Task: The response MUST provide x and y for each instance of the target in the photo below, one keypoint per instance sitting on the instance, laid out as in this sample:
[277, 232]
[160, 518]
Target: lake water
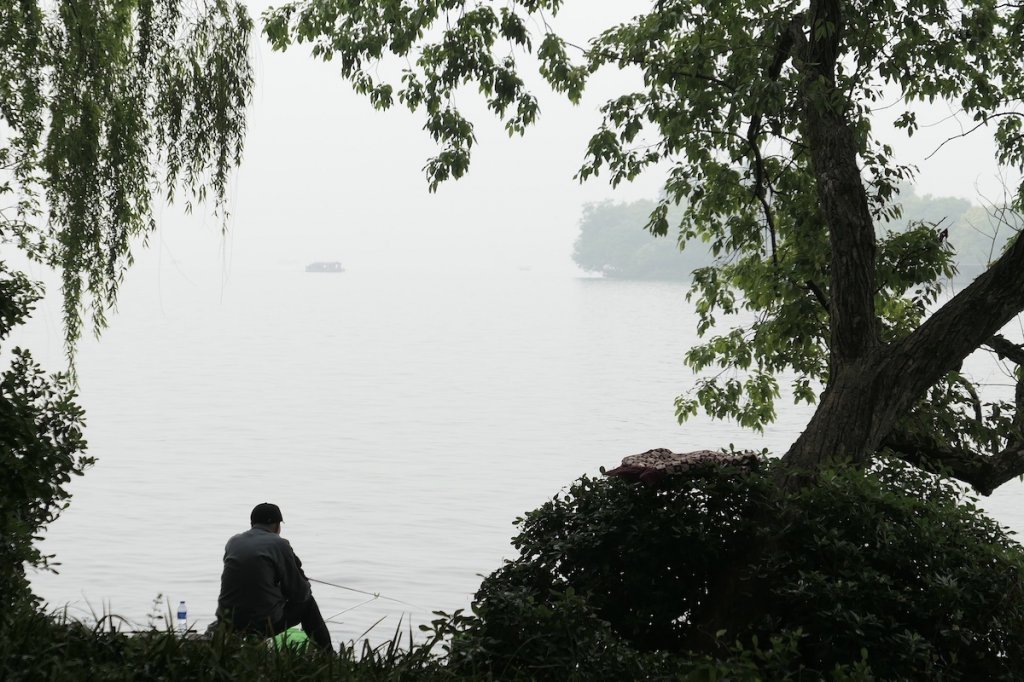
[401, 424]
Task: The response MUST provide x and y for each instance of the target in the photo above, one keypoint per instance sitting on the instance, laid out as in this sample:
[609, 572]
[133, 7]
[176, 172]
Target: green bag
[293, 638]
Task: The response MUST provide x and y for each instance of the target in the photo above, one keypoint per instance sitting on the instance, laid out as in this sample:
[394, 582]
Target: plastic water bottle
[182, 617]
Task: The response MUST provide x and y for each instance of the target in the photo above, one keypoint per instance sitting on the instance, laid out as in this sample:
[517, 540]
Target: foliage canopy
[762, 114]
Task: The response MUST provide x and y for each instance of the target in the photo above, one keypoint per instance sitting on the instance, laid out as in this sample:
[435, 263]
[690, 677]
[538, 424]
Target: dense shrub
[41, 446]
[894, 570]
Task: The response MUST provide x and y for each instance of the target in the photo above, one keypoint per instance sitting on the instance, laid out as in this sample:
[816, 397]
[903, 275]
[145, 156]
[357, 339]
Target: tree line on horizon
[613, 243]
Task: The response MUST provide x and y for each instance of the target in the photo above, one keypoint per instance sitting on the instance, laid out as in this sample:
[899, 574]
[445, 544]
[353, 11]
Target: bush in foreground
[893, 571]
[34, 646]
[41, 445]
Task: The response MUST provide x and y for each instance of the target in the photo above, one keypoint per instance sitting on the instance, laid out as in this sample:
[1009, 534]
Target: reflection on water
[401, 424]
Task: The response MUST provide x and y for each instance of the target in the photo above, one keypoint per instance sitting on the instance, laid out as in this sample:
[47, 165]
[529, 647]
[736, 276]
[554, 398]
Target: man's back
[261, 573]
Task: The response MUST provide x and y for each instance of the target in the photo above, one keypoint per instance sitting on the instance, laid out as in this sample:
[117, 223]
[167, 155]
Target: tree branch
[981, 124]
[1006, 349]
[818, 293]
[979, 417]
[983, 473]
[783, 51]
[1018, 400]
[966, 322]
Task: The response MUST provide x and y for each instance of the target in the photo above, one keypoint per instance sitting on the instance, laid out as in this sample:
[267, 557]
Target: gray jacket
[261, 573]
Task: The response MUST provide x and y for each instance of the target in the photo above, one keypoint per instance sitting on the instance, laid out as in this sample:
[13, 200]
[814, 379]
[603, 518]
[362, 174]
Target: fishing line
[375, 595]
[351, 608]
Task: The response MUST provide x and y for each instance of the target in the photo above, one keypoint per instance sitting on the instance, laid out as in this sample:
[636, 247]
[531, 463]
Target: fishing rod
[375, 595]
[351, 608]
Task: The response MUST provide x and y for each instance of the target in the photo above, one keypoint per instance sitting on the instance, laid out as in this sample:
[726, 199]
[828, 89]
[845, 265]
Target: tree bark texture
[870, 385]
[866, 397]
[841, 194]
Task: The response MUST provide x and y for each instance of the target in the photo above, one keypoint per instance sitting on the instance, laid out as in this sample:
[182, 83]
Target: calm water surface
[401, 424]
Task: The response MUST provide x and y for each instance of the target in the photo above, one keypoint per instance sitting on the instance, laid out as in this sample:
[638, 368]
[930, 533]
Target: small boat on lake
[325, 266]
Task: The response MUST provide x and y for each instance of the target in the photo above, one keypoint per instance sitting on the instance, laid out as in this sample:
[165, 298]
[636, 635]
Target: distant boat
[325, 266]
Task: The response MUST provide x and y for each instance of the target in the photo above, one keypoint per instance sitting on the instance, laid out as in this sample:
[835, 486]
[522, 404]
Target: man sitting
[263, 590]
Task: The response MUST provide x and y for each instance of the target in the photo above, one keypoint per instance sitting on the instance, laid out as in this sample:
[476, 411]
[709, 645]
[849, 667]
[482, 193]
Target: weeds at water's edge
[37, 646]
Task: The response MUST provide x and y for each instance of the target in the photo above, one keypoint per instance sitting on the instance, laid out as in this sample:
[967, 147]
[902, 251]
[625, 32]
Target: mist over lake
[402, 422]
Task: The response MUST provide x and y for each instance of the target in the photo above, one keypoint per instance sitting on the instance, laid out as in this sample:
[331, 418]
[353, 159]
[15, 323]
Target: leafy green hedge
[893, 571]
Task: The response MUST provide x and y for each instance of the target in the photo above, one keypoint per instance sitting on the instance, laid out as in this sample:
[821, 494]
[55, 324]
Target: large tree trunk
[866, 396]
[844, 425]
[870, 384]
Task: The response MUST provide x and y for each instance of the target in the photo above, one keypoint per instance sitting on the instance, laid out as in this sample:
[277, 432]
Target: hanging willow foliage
[106, 105]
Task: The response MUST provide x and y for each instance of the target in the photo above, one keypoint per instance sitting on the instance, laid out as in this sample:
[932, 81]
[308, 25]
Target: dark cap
[266, 513]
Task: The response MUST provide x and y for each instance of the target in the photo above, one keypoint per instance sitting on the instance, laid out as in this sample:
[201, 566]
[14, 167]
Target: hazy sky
[325, 177]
